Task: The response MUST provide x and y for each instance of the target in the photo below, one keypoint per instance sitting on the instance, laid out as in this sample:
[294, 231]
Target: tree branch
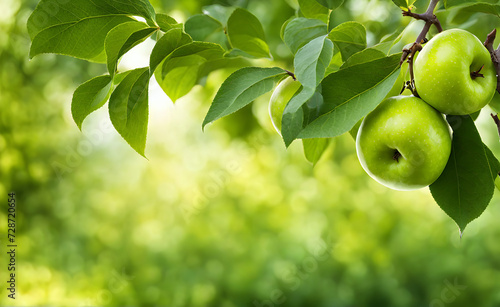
[495, 54]
[429, 18]
[409, 53]
[291, 74]
[497, 122]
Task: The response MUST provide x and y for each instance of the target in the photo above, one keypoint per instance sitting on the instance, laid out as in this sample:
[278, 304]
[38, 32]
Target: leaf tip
[205, 123]
[461, 230]
[288, 140]
[31, 54]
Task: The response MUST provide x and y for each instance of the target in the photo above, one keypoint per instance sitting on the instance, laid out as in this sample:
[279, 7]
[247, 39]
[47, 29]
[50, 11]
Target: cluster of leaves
[342, 79]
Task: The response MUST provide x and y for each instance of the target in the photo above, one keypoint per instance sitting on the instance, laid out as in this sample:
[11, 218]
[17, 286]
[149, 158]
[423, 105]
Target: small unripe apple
[285, 90]
[454, 73]
[404, 143]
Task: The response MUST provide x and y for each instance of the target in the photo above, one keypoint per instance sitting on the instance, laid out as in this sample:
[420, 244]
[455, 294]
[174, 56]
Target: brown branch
[291, 74]
[497, 122]
[411, 56]
[409, 53]
[495, 54]
[429, 18]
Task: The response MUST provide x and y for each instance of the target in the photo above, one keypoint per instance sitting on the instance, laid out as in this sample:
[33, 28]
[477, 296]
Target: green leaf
[167, 23]
[475, 115]
[331, 4]
[301, 31]
[335, 63]
[312, 108]
[314, 149]
[363, 56]
[89, 97]
[466, 185]
[311, 61]
[404, 4]
[222, 63]
[206, 28]
[387, 43]
[123, 38]
[50, 13]
[241, 88]
[487, 8]
[169, 42]
[493, 163]
[349, 37]
[219, 12]
[292, 123]
[350, 94]
[119, 77]
[78, 28]
[452, 3]
[401, 3]
[246, 34]
[310, 64]
[181, 77]
[180, 70]
[128, 108]
[82, 40]
[312, 9]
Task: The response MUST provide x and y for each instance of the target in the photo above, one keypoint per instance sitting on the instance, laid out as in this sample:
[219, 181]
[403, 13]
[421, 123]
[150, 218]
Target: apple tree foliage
[344, 77]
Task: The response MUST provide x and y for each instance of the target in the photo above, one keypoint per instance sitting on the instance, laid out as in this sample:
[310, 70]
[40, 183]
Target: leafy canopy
[343, 75]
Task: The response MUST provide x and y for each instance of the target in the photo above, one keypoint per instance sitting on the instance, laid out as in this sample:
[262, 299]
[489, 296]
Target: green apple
[279, 99]
[497, 182]
[404, 143]
[443, 73]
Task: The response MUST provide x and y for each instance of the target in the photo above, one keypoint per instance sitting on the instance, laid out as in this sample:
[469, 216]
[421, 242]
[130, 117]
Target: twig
[497, 122]
[495, 54]
[409, 53]
[291, 74]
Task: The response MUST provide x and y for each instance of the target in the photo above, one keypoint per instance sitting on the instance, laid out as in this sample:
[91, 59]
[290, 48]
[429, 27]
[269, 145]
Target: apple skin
[442, 73]
[279, 99]
[408, 125]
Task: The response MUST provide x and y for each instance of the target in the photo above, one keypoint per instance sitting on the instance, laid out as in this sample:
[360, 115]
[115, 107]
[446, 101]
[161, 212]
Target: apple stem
[495, 54]
[477, 74]
[409, 53]
[497, 122]
[397, 155]
[291, 74]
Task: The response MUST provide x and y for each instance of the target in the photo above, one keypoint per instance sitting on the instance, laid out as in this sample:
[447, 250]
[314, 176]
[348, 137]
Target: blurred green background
[224, 218]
